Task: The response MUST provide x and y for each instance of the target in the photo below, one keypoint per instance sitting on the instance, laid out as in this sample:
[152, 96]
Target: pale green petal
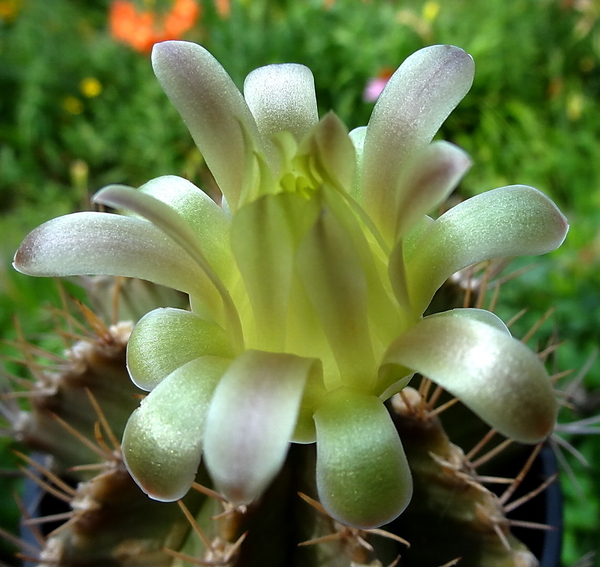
[213, 292]
[435, 174]
[417, 99]
[208, 220]
[282, 97]
[331, 272]
[495, 375]
[212, 108]
[251, 421]
[168, 338]
[264, 237]
[162, 441]
[363, 478]
[509, 221]
[107, 244]
[382, 310]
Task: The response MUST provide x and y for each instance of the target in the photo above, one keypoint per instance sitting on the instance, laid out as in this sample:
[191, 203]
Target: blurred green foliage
[79, 110]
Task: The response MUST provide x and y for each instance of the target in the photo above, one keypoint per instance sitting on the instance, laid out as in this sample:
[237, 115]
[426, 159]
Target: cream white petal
[509, 221]
[282, 97]
[207, 219]
[213, 291]
[417, 99]
[251, 421]
[492, 373]
[162, 441]
[363, 477]
[167, 338]
[107, 244]
[212, 108]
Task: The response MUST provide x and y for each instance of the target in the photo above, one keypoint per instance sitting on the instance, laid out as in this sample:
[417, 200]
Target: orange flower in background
[143, 28]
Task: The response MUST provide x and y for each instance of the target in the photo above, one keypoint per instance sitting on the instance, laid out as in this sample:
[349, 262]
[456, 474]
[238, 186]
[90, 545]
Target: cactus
[112, 522]
[265, 425]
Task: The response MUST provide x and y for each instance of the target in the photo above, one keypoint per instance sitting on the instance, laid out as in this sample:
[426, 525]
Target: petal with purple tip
[495, 375]
[212, 108]
[417, 99]
[107, 244]
[510, 221]
[251, 421]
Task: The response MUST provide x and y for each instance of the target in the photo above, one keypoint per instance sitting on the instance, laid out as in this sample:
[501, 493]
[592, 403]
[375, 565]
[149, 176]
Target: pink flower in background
[376, 84]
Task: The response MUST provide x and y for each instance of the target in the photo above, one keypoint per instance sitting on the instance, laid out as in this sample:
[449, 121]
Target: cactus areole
[308, 283]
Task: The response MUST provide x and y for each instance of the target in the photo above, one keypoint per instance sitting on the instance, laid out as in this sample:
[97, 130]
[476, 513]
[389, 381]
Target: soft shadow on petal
[363, 478]
[212, 108]
[162, 441]
[435, 174]
[282, 97]
[510, 221]
[251, 421]
[167, 338]
[332, 150]
[417, 99]
[330, 270]
[495, 375]
[264, 237]
[106, 244]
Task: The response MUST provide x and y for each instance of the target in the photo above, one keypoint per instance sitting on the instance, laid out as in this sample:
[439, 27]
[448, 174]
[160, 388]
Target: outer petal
[213, 291]
[165, 339]
[282, 97]
[212, 108]
[509, 221]
[363, 476]
[205, 217]
[496, 376]
[162, 441]
[107, 244]
[251, 421]
[415, 102]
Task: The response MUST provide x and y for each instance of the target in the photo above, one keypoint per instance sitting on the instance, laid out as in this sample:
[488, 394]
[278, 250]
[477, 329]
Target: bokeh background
[80, 108]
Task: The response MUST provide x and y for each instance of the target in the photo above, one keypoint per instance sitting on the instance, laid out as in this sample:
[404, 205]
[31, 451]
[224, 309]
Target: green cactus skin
[451, 514]
[92, 368]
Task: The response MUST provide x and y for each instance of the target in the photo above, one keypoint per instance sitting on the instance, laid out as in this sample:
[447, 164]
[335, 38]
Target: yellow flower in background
[430, 10]
[9, 9]
[575, 103]
[90, 87]
[72, 105]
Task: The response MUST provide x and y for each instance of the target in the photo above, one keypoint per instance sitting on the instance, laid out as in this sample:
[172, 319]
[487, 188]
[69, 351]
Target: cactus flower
[307, 284]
